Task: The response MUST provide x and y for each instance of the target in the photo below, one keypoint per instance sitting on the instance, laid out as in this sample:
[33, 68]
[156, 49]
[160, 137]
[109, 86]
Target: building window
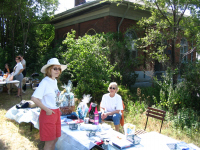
[65, 35]
[131, 37]
[183, 50]
[91, 32]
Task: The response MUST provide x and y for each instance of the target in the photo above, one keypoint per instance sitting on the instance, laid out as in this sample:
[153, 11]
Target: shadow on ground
[3, 145]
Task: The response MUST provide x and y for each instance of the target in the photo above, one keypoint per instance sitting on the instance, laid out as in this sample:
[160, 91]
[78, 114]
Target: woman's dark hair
[18, 57]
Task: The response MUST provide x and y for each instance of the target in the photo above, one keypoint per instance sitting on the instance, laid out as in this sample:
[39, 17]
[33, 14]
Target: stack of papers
[122, 143]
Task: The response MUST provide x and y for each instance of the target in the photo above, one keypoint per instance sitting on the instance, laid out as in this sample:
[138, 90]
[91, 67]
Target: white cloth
[23, 63]
[47, 92]
[24, 115]
[152, 141]
[17, 68]
[111, 103]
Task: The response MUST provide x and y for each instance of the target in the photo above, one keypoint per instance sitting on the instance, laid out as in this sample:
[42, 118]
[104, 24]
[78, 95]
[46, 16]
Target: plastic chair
[154, 113]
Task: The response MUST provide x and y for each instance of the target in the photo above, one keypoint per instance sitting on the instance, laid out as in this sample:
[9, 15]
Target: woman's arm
[39, 104]
[20, 71]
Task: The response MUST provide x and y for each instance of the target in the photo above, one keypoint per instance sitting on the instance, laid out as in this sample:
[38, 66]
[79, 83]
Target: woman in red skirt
[45, 97]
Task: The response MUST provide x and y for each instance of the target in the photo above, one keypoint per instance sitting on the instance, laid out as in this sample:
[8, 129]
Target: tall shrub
[88, 64]
[125, 61]
[191, 76]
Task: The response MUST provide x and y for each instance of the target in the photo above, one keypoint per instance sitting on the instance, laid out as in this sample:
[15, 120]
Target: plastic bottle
[96, 118]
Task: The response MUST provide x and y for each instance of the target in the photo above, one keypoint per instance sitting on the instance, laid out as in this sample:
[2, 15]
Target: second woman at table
[17, 74]
[111, 106]
[45, 97]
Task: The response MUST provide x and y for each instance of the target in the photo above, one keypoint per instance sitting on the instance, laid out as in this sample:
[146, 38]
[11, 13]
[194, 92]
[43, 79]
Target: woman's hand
[11, 78]
[50, 112]
[104, 115]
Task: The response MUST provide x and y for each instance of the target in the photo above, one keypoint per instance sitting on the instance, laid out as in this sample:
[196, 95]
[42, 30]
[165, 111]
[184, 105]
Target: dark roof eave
[77, 11]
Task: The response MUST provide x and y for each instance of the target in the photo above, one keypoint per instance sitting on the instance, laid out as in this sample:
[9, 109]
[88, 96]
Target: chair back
[155, 113]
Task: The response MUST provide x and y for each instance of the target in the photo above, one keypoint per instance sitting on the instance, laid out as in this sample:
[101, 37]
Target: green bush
[88, 65]
[191, 76]
[186, 119]
[122, 58]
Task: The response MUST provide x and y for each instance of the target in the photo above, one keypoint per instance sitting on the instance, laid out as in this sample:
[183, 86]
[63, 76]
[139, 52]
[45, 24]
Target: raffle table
[78, 140]
[13, 81]
[153, 141]
[9, 83]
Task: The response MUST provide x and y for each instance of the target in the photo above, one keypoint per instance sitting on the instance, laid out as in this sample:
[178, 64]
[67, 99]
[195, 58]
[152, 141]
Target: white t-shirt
[47, 92]
[17, 68]
[23, 63]
[111, 103]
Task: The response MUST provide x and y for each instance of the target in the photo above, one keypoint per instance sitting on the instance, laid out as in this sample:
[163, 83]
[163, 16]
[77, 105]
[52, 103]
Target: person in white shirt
[45, 97]
[23, 61]
[111, 106]
[17, 74]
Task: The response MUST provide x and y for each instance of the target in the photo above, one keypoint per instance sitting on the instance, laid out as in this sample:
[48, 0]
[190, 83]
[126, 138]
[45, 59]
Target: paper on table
[70, 121]
[121, 143]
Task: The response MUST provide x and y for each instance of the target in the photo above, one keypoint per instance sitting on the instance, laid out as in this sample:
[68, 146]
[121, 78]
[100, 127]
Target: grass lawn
[14, 136]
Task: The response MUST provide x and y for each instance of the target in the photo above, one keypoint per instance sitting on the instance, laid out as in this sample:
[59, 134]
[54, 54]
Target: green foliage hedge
[88, 65]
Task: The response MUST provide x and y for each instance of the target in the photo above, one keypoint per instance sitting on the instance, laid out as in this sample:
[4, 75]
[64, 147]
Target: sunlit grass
[14, 136]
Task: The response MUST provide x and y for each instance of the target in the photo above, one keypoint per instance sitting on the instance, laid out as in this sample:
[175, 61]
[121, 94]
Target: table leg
[31, 126]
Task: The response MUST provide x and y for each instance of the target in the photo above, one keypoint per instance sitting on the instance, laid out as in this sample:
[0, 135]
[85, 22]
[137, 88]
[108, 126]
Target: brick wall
[107, 24]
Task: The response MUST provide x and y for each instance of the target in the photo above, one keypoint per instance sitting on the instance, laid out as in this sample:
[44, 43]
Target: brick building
[95, 17]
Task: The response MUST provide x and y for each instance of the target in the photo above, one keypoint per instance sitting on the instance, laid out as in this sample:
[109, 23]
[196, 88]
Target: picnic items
[92, 113]
[82, 108]
[179, 146]
[65, 100]
[25, 104]
[90, 127]
[73, 126]
[129, 129]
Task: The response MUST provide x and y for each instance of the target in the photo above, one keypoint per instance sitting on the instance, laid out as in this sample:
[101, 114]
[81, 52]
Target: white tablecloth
[24, 115]
[13, 81]
[153, 141]
[73, 139]
[16, 82]
[77, 140]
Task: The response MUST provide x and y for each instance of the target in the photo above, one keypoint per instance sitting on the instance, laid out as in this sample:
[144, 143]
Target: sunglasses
[112, 88]
[57, 69]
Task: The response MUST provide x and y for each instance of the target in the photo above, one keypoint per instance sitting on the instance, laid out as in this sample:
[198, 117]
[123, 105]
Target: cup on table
[86, 120]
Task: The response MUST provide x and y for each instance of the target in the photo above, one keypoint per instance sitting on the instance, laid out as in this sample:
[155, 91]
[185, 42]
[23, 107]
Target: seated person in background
[1, 73]
[7, 69]
[111, 106]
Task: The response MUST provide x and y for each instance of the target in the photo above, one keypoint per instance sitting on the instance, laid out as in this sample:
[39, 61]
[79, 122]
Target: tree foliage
[167, 24]
[23, 30]
[88, 64]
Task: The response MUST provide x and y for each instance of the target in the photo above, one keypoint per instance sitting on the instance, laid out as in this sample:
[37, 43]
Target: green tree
[166, 25]
[88, 64]
[21, 24]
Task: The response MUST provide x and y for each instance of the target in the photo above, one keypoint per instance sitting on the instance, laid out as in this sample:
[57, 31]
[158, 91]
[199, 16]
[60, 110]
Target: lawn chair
[154, 113]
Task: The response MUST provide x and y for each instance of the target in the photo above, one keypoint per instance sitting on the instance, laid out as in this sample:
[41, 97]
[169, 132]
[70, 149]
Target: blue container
[134, 139]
